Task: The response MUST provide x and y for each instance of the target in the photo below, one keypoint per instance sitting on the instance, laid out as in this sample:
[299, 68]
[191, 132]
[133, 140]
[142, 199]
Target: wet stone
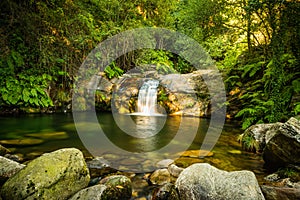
[8, 168]
[174, 170]
[165, 192]
[99, 167]
[3, 150]
[160, 177]
[118, 187]
[164, 163]
[14, 157]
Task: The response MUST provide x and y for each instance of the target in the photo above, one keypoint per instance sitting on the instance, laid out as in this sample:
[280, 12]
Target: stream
[31, 135]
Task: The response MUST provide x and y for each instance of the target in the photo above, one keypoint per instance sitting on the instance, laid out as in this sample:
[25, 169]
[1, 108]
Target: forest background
[254, 43]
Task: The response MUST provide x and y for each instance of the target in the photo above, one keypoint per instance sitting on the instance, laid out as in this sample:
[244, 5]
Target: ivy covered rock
[203, 181]
[283, 144]
[56, 175]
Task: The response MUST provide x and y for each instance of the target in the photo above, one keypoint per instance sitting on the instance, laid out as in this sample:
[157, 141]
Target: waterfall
[147, 99]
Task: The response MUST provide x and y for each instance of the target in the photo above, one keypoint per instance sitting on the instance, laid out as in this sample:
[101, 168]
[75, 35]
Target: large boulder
[56, 175]
[280, 193]
[257, 133]
[283, 144]
[203, 181]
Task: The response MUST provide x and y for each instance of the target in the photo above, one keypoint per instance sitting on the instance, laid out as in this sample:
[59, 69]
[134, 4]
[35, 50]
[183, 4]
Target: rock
[184, 94]
[164, 163]
[203, 181]
[280, 193]
[3, 150]
[8, 168]
[14, 157]
[165, 192]
[118, 187]
[283, 144]
[160, 177]
[196, 153]
[91, 193]
[49, 135]
[56, 175]
[22, 142]
[174, 170]
[258, 133]
[99, 167]
[272, 177]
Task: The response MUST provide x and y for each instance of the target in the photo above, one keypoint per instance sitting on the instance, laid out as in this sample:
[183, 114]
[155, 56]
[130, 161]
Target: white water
[147, 99]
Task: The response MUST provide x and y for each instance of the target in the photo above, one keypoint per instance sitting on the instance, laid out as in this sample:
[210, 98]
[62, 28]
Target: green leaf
[33, 92]
[26, 95]
[296, 85]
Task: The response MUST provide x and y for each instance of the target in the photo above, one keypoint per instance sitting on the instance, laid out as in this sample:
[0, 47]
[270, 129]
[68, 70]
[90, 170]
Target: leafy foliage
[255, 43]
[248, 143]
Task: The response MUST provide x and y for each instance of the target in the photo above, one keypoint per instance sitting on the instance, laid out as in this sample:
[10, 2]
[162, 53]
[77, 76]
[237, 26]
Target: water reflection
[140, 126]
[228, 154]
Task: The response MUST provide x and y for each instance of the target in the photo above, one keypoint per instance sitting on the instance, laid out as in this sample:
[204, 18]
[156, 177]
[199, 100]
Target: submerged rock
[23, 142]
[56, 175]
[203, 181]
[164, 163]
[99, 167]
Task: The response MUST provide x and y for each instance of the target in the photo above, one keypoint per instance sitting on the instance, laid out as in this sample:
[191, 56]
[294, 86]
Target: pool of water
[128, 142]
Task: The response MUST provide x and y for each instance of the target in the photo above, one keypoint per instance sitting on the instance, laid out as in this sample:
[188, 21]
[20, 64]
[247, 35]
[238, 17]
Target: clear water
[31, 135]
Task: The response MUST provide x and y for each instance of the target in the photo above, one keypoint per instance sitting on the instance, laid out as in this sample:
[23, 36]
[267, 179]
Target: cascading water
[147, 99]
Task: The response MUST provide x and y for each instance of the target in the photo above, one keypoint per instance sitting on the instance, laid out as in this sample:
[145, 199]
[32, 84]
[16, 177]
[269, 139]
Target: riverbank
[65, 174]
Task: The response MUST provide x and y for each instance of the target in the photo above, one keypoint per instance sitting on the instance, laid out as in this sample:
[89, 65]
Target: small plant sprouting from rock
[248, 142]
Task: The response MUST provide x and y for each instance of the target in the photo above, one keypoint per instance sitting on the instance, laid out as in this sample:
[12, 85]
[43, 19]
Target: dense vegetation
[255, 43]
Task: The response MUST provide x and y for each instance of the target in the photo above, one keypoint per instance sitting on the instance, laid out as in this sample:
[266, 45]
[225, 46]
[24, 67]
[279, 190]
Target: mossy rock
[118, 187]
[56, 175]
